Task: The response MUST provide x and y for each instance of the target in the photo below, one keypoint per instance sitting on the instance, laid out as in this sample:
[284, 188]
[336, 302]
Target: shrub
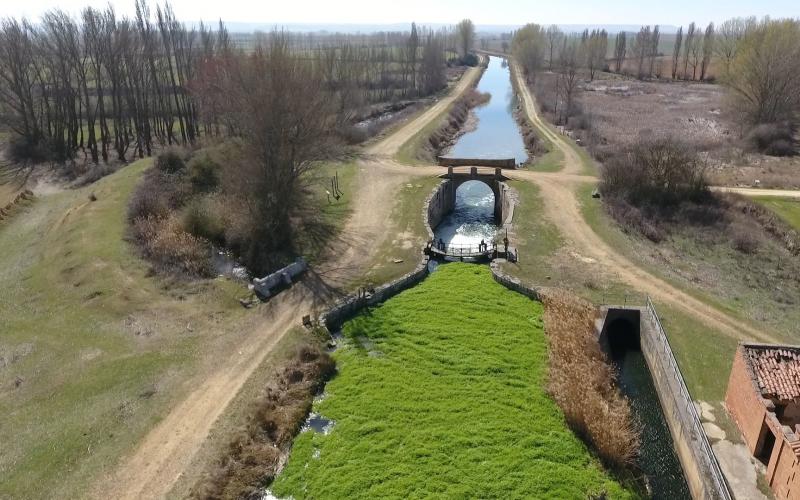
[202, 219]
[203, 174]
[470, 60]
[582, 381]
[774, 139]
[23, 148]
[146, 202]
[744, 240]
[253, 458]
[170, 248]
[170, 162]
[655, 172]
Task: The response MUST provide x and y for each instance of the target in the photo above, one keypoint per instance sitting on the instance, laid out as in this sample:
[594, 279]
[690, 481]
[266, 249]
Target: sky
[482, 12]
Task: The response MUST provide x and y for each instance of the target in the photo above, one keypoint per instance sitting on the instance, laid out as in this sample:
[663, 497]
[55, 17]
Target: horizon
[504, 14]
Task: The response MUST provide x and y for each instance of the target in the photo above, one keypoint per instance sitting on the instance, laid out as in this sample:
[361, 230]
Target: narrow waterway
[657, 458]
[497, 134]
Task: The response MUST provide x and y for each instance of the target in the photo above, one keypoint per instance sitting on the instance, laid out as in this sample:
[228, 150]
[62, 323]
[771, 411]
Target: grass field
[787, 209]
[440, 394]
[94, 349]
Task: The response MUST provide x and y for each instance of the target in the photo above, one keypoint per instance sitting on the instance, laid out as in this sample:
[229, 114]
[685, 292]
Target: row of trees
[103, 84]
[115, 87]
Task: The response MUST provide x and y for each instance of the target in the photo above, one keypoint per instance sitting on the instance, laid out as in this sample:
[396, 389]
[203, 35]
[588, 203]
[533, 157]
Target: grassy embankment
[97, 348]
[94, 347]
[441, 392]
[787, 209]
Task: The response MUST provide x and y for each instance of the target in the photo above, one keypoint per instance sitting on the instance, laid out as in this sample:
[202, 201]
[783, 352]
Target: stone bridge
[444, 199]
[445, 161]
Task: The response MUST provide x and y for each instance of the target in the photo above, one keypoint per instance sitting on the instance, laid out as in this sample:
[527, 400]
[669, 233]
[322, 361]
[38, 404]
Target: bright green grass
[787, 209]
[446, 399]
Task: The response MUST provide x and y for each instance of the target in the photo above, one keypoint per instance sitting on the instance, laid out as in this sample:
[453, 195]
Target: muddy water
[472, 219]
[657, 458]
[497, 134]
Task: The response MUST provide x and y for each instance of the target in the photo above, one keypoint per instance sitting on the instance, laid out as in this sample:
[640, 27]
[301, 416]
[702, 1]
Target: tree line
[114, 87]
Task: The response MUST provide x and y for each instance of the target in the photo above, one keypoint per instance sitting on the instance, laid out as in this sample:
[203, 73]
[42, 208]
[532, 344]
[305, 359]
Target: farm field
[441, 391]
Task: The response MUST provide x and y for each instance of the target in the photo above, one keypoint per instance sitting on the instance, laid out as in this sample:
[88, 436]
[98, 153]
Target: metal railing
[464, 250]
[721, 485]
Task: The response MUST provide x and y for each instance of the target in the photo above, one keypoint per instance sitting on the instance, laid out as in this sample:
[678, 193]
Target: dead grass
[582, 381]
[254, 456]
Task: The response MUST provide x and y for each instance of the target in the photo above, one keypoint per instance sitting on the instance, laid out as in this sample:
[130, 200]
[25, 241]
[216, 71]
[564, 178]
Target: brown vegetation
[582, 381]
[8, 210]
[255, 456]
[452, 126]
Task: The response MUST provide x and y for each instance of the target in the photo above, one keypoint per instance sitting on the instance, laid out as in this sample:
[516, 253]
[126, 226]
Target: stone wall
[440, 203]
[700, 466]
[348, 307]
[513, 283]
[476, 162]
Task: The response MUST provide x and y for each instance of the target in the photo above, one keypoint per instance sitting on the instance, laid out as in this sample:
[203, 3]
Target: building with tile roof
[763, 397]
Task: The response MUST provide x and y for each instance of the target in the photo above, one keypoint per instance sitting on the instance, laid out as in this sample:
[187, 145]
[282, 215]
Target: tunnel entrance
[623, 336]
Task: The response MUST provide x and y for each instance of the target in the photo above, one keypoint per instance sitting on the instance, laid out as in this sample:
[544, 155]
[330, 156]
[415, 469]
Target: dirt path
[778, 193]
[167, 450]
[562, 208]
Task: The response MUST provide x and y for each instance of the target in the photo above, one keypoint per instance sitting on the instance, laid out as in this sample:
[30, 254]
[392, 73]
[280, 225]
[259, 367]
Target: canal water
[657, 458]
[497, 134]
[472, 218]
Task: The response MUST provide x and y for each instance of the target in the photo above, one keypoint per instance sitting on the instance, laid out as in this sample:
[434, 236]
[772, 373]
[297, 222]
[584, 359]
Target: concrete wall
[700, 466]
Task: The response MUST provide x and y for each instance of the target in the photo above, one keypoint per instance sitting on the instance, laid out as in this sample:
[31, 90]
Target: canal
[496, 135]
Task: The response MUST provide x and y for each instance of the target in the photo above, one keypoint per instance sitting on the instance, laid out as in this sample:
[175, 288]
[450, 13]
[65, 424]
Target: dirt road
[162, 456]
[562, 208]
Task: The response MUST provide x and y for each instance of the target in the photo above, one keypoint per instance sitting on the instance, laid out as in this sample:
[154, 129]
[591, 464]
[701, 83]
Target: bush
[655, 172]
[744, 240]
[203, 174]
[147, 202]
[170, 162]
[202, 219]
[470, 60]
[774, 139]
[22, 148]
[170, 248]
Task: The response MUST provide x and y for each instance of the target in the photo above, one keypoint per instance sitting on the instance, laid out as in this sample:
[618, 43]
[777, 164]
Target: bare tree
[676, 52]
[568, 79]
[554, 36]
[728, 36]
[466, 36]
[655, 38]
[688, 47]
[708, 50]
[620, 49]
